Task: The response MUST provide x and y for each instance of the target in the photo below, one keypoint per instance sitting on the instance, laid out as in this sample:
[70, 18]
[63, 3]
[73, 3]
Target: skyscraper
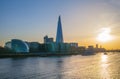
[59, 36]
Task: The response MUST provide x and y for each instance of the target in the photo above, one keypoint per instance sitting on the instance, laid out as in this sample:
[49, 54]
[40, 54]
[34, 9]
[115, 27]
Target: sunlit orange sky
[83, 21]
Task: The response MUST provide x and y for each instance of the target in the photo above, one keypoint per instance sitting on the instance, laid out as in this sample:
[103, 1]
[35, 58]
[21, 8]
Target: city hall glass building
[19, 46]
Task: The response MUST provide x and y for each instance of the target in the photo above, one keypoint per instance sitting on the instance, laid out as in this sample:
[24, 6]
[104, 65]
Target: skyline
[82, 20]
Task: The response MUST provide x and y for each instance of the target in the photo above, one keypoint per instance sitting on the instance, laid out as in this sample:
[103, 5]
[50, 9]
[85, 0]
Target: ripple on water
[67, 67]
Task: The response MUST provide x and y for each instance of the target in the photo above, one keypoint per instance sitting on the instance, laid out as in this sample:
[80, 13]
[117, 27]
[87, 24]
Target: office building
[48, 40]
[59, 35]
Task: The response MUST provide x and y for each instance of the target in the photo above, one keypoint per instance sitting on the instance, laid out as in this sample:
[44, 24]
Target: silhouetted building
[48, 40]
[96, 45]
[74, 45]
[81, 49]
[100, 46]
[59, 35]
[89, 51]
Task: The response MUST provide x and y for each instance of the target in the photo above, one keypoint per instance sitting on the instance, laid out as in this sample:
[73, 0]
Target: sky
[83, 21]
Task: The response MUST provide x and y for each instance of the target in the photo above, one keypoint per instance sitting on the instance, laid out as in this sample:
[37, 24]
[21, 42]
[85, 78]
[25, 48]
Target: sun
[104, 35]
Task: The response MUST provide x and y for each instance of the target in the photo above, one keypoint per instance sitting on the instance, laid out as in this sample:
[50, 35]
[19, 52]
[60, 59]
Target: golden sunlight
[104, 58]
[104, 66]
[104, 35]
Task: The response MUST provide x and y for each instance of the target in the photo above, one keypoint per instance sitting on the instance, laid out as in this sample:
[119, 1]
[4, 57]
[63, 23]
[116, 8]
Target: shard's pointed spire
[59, 36]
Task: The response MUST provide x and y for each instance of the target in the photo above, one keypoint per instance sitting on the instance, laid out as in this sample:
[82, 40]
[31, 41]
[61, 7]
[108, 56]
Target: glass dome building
[19, 45]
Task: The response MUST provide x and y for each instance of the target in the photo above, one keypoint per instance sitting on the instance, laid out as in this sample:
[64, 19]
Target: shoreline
[36, 55]
[43, 54]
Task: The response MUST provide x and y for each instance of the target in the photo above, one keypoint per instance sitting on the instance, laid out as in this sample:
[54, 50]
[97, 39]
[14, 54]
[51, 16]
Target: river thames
[97, 66]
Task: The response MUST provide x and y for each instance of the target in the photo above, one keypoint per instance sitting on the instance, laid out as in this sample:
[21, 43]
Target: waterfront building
[48, 40]
[52, 47]
[90, 50]
[81, 48]
[19, 46]
[74, 45]
[63, 47]
[34, 46]
[100, 46]
[59, 35]
[96, 45]
[8, 45]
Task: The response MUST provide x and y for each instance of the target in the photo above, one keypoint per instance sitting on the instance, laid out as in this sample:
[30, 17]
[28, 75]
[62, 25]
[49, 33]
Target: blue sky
[31, 20]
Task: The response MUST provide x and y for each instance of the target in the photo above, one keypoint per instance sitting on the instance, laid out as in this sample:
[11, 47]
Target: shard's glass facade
[59, 36]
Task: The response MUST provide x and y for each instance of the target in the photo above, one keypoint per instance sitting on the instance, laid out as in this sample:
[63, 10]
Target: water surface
[97, 66]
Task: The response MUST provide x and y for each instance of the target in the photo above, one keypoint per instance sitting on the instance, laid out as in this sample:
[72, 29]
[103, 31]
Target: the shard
[59, 36]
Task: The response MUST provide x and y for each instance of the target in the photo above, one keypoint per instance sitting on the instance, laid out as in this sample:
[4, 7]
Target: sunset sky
[87, 22]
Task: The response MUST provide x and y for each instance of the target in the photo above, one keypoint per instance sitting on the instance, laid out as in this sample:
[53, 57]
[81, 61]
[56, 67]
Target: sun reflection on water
[104, 58]
[104, 67]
